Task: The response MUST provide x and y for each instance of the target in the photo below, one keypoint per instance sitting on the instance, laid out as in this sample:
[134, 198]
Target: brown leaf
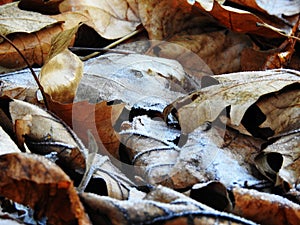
[37, 47]
[98, 118]
[52, 136]
[280, 161]
[191, 37]
[237, 90]
[265, 208]
[244, 21]
[14, 20]
[111, 20]
[51, 192]
[60, 78]
[155, 210]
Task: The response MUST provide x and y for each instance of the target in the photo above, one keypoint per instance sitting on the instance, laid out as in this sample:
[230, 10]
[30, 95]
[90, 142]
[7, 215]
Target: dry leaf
[99, 118]
[280, 161]
[51, 192]
[237, 90]
[277, 8]
[52, 136]
[111, 20]
[265, 208]
[6, 144]
[132, 78]
[14, 20]
[157, 160]
[155, 210]
[37, 47]
[60, 78]
[244, 21]
[191, 37]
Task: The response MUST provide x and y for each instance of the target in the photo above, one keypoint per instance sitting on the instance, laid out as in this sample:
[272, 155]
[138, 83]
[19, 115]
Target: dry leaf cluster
[150, 112]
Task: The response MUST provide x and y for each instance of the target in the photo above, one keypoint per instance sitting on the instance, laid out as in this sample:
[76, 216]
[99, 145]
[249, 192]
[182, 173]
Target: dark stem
[31, 70]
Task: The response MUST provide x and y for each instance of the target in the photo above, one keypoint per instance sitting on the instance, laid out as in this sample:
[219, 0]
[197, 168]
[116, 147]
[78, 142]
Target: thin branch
[31, 70]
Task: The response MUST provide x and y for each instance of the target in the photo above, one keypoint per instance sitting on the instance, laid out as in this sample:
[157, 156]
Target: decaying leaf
[241, 20]
[6, 144]
[52, 136]
[60, 78]
[161, 206]
[15, 20]
[237, 90]
[99, 118]
[159, 161]
[115, 76]
[37, 47]
[111, 20]
[19, 85]
[51, 191]
[280, 161]
[265, 208]
[188, 35]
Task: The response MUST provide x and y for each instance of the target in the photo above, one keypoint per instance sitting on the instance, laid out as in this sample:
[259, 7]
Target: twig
[31, 70]
[114, 43]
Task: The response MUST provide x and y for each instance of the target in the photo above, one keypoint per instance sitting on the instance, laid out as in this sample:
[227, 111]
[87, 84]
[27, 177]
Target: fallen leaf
[15, 20]
[111, 20]
[265, 208]
[113, 77]
[53, 136]
[99, 118]
[60, 78]
[242, 20]
[279, 161]
[6, 143]
[237, 90]
[200, 159]
[154, 209]
[51, 192]
[188, 35]
[37, 47]
[278, 8]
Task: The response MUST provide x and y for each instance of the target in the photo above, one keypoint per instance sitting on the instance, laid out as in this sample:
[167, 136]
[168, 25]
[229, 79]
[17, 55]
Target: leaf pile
[150, 112]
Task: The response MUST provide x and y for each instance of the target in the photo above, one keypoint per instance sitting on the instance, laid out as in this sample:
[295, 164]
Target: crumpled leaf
[194, 39]
[280, 161]
[111, 20]
[15, 20]
[160, 206]
[52, 136]
[244, 21]
[157, 160]
[51, 191]
[237, 90]
[265, 208]
[277, 8]
[60, 78]
[115, 76]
